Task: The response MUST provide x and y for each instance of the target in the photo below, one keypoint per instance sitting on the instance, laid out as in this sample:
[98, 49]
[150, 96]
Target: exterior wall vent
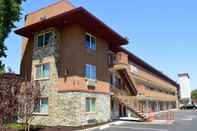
[92, 121]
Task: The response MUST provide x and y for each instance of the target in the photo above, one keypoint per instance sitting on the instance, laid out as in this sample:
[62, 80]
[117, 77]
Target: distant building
[185, 90]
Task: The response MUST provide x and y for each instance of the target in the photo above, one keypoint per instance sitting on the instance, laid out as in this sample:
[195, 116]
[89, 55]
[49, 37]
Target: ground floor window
[90, 104]
[41, 106]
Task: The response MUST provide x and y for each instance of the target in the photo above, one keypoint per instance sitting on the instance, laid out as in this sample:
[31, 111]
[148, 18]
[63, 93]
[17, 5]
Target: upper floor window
[90, 42]
[42, 71]
[41, 106]
[111, 59]
[90, 72]
[44, 39]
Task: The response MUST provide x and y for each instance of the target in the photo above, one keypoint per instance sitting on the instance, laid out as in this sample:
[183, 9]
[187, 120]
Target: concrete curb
[156, 122]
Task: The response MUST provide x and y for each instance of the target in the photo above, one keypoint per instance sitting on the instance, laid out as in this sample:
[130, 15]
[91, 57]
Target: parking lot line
[187, 119]
[136, 128]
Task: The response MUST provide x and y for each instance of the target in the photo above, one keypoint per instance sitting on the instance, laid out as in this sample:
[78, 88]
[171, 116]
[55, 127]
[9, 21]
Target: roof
[66, 1]
[143, 64]
[79, 16]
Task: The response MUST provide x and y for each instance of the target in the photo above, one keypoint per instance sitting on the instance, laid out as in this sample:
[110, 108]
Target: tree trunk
[2, 128]
[26, 126]
[29, 127]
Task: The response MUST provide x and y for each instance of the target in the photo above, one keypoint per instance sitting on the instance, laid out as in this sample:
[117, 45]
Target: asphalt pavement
[184, 121]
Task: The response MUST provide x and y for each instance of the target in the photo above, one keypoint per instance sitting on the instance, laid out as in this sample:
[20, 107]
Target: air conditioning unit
[91, 83]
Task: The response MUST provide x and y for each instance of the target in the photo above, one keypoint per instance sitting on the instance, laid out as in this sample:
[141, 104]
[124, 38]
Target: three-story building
[86, 75]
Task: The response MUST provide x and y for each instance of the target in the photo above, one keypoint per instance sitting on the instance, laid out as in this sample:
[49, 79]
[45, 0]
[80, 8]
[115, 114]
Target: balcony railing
[119, 58]
[158, 95]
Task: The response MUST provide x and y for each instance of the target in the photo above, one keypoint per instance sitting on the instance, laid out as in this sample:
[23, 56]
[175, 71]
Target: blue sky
[161, 32]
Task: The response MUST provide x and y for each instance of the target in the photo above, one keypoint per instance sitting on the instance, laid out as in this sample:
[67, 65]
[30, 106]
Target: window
[90, 105]
[113, 79]
[90, 42]
[112, 59]
[41, 106]
[42, 71]
[90, 72]
[44, 39]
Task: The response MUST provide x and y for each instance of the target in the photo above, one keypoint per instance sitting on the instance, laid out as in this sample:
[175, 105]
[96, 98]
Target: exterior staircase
[134, 110]
[123, 69]
[127, 77]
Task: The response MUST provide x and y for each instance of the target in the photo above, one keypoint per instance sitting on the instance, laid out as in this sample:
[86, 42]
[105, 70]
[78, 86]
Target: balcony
[158, 95]
[118, 62]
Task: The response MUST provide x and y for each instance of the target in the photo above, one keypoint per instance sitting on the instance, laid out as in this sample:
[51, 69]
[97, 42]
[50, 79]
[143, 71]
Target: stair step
[137, 112]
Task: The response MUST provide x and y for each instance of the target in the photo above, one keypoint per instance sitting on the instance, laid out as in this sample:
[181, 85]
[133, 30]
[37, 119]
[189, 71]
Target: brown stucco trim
[66, 1]
[84, 91]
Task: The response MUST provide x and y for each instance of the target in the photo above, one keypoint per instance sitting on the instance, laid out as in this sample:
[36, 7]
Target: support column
[147, 105]
[164, 105]
[158, 107]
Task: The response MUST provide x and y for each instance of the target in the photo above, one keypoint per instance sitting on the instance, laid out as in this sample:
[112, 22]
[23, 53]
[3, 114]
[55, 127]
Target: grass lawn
[19, 126]
[15, 126]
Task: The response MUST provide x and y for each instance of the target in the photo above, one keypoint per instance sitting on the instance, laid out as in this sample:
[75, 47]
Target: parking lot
[184, 121]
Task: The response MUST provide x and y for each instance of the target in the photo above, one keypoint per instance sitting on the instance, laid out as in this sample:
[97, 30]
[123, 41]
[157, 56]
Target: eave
[76, 16]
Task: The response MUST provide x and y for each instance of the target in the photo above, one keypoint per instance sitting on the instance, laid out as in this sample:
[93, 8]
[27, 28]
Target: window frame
[90, 69]
[40, 104]
[90, 47]
[112, 58]
[91, 108]
[42, 65]
[43, 41]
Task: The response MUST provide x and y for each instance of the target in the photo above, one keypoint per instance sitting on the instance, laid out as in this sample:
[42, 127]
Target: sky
[161, 32]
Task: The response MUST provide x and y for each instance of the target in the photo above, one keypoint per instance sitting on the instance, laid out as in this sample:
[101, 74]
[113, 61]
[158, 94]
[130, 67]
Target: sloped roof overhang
[76, 16]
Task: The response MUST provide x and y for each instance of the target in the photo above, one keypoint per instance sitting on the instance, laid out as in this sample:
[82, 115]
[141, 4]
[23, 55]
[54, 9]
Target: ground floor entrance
[144, 106]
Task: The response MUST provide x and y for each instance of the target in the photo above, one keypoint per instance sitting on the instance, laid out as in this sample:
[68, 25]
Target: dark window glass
[90, 42]
[87, 41]
[87, 104]
[48, 37]
[40, 40]
[90, 72]
[46, 71]
[37, 107]
[93, 43]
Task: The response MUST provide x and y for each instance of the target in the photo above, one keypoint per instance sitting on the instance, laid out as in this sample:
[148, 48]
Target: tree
[194, 94]
[30, 94]
[9, 14]
[9, 89]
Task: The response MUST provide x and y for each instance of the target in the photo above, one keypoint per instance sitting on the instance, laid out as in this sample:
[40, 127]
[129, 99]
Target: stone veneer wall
[65, 109]
[68, 109]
